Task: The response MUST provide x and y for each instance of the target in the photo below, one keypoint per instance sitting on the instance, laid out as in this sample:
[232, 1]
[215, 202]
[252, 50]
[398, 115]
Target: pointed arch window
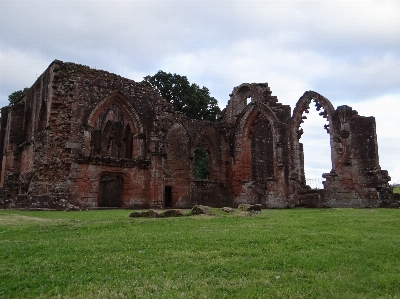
[262, 150]
[201, 163]
[112, 136]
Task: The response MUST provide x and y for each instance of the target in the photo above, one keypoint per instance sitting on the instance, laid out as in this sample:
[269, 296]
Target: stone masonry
[88, 138]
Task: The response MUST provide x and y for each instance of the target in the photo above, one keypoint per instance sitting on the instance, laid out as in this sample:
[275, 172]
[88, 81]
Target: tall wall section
[89, 138]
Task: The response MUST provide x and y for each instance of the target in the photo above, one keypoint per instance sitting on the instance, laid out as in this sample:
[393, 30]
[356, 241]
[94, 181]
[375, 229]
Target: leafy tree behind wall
[192, 100]
[201, 162]
[17, 96]
[189, 98]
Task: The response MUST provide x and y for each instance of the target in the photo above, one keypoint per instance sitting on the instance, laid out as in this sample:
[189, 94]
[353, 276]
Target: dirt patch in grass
[15, 219]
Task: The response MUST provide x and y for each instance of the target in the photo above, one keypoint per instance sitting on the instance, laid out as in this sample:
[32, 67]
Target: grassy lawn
[298, 253]
[396, 190]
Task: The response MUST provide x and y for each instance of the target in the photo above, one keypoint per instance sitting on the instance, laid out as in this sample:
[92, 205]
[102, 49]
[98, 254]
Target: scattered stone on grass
[227, 210]
[139, 214]
[153, 214]
[157, 214]
[173, 213]
[200, 210]
[250, 208]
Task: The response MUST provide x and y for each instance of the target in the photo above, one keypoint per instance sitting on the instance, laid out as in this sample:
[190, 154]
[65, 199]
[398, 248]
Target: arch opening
[315, 145]
[201, 163]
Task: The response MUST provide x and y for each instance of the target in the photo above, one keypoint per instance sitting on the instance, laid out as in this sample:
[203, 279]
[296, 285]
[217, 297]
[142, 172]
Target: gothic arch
[303, 105]
[255, 153]
[210, 137]
[124, 106]
[174, 127]
[108, 124]
[296, 148]
[244, 123]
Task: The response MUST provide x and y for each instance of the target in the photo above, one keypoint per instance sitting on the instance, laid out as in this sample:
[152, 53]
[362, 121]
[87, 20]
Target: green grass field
[396, 190]
[294, 253]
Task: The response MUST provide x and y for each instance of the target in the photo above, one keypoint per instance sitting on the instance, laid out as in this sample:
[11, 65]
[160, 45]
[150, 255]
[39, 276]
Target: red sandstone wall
[52, 154]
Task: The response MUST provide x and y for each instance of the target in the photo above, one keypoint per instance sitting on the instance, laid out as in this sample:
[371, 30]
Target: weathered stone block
[200, 210]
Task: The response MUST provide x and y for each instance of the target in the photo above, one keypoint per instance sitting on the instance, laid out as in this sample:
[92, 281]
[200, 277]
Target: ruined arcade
[89, 138]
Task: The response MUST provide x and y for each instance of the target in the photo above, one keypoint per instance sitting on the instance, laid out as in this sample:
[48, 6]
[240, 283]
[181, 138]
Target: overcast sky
[348, 51]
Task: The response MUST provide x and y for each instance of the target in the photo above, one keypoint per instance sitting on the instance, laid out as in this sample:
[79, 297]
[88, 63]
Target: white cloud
[18, 69]
[347, 51]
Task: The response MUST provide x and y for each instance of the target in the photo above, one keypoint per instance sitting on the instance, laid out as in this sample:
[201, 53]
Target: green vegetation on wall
[17, 96]
[201, 163]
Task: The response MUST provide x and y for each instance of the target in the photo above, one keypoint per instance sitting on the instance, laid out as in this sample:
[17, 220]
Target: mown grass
[299, 253]
[396, 190]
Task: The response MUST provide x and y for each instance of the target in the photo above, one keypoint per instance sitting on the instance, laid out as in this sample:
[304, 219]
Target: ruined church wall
[80, 130]
[216, 189]
[87, 90]
[4, 140]
[359, 180]
[21, 137]
[175, 139]
[51, 126]
[356, 179]
[86, 178]
[259, 164]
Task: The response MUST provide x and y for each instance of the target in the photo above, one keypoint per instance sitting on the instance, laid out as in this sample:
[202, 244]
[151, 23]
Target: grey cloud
[346, 50]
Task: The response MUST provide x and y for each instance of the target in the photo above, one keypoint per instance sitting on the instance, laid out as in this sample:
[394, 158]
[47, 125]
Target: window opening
[262, 150]
[248, 100]
[201, 163]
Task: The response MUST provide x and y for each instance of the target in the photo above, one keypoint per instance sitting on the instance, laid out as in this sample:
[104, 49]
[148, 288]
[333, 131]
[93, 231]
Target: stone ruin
[87, 138]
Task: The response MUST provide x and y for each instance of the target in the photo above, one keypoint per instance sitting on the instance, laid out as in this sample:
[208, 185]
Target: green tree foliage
[189, 98]
[17, 96]
[201, 162]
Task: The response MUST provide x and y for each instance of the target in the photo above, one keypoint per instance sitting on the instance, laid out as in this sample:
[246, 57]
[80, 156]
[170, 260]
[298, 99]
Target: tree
[17, 96]
[201, 163]
[194, 101]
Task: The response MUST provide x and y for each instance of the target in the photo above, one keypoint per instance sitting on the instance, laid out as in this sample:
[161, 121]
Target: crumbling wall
[259, 165]
[177, 166]
[356, 179]
[89, 138]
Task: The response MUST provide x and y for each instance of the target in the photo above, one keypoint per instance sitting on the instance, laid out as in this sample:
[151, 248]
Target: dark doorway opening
[168, 196]
[110, 191]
